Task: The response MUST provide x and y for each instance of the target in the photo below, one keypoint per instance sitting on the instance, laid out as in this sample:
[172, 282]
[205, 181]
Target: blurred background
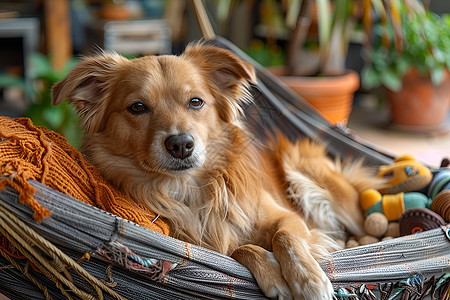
[384, 48]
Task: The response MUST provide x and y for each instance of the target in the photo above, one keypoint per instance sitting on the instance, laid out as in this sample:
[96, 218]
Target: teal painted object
[440, 182]
[409, 200]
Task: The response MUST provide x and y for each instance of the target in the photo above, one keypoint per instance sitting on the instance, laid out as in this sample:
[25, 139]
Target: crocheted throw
[29, 152]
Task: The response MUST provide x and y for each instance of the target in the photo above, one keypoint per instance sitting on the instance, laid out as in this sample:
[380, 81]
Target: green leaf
[10, 80]
[40, 66]
[391, 80]
[292, 11]
[437, 76]
[446, 20]
[403, 65]
[54, 117]
[370, 78]
[439, 55]
[379, 7]
[324, 22]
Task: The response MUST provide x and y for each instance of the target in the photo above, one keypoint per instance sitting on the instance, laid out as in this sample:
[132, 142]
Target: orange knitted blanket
[33, 152]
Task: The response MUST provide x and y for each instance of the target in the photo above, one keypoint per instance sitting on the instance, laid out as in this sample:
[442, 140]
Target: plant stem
[298, 37]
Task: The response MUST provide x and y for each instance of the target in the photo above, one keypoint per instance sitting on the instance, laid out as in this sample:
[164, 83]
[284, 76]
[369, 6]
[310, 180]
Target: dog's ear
[228, 77]
[86, 88]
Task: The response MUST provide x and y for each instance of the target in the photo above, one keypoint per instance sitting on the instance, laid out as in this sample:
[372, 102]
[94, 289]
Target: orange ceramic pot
[114, 12]
[420, 104]
[332, 96]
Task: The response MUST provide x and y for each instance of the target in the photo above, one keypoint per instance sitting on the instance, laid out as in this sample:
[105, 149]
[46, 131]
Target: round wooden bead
[393, 230]
[376, 224]
[368, 239]
[341, 243]
[351, 244]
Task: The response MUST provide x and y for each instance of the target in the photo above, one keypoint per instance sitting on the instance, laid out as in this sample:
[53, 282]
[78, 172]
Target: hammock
[108, 257]
[80, 251]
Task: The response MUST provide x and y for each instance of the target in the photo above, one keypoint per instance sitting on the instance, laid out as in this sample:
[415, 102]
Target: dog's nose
[180, 146]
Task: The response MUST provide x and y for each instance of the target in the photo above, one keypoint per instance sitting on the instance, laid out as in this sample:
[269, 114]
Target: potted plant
[319, 33]
[410, 59]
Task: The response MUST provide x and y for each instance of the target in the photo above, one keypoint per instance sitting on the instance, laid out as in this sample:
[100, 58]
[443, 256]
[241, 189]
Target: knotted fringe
[122, 255]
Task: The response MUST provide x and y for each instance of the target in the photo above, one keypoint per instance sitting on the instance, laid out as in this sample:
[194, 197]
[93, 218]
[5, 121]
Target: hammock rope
[23, 238]
[25, 272]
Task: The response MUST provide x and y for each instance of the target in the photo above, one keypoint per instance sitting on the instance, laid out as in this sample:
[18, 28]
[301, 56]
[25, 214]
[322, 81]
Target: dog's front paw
[300, 269]
[272, 282]
[266, 270]
[316, 287]
[293, 282]
[295, 275]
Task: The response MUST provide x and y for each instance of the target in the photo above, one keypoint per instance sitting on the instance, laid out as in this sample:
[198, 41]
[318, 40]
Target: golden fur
[167, 130]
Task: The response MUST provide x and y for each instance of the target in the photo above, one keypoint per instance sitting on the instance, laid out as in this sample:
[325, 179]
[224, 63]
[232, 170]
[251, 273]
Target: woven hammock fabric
[148, 265]
[145, 264]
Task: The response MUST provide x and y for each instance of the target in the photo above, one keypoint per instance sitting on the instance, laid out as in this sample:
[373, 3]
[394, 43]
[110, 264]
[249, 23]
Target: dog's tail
[325, 190]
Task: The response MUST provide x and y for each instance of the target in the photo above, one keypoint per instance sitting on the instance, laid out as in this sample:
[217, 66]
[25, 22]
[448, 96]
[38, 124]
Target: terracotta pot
[114, 12]
[420, 104]
[332, 96]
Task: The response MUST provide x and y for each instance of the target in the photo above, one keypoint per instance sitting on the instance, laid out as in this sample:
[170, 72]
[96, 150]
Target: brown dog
[167, 131]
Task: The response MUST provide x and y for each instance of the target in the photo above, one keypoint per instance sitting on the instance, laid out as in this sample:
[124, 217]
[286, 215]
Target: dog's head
[158, 111]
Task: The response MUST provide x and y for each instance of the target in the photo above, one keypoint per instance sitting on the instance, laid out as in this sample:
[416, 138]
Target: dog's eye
[137, 108]
[196, 103]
